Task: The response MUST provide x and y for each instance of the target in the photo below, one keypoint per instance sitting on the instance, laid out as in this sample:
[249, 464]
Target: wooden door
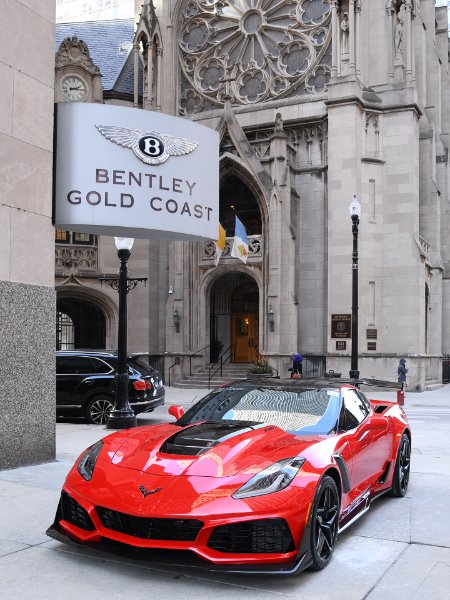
[245, 337]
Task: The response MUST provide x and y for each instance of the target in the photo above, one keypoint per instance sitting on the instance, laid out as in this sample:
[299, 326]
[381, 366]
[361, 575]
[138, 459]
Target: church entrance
[234, 318]
[79, 324]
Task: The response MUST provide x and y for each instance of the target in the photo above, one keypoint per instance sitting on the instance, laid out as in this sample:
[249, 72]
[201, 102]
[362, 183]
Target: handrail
[222, 360]
[178, 362]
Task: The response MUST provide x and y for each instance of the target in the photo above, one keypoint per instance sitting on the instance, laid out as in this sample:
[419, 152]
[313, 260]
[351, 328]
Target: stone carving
[279, 123]
[398, 37]
[73, 51]
[344, 37]
[267, 49]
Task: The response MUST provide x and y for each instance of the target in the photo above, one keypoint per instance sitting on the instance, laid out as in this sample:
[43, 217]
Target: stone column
[391, 27]
[351, 37]
[408, 45]
[358, 37]
[136, 74]
[159, 78]
[281, 258]
[148, 101]
[334, 38]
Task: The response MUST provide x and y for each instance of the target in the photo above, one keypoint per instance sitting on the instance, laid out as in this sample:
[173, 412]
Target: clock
[74, 88]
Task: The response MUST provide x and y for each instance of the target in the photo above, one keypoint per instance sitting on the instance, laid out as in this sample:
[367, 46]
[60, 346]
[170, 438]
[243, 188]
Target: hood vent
[197, 439]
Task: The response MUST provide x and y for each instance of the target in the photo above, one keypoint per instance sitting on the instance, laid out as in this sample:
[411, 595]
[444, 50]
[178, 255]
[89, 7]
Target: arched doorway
[79, 324]
[234, 317]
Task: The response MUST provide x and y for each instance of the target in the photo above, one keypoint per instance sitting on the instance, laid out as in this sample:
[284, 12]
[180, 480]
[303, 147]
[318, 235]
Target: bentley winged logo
[146, 492]
[151, 147]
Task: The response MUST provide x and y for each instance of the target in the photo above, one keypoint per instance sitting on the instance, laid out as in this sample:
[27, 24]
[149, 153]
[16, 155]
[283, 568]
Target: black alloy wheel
[324, 523]
[98, 409]
[400, 480]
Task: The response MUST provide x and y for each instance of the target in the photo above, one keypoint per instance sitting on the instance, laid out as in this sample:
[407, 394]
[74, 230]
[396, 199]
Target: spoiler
[400, 387]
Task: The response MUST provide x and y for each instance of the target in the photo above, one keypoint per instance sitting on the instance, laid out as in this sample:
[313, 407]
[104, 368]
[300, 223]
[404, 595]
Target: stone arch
[99, 300]
[234, 165]
[207, 284]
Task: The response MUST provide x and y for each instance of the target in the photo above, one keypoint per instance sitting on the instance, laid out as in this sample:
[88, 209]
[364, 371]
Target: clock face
[74, 88]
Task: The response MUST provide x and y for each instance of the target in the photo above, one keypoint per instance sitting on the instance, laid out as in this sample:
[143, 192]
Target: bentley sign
[135, 173]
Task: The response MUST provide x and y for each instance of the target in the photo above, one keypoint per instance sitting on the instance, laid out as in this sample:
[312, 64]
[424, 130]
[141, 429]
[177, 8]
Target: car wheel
[98, 410]
[324, 523]
[402, 468]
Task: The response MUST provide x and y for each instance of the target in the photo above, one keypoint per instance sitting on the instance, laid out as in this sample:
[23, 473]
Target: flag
[220, 244]
[240, 242]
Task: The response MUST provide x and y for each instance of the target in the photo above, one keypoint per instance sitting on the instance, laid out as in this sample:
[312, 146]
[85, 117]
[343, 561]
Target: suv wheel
[98, 410]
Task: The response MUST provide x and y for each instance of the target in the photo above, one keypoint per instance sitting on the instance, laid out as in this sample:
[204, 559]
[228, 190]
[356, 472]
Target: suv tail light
[142, 385]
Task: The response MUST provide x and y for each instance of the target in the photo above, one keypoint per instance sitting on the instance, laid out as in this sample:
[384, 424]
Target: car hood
[206, 449]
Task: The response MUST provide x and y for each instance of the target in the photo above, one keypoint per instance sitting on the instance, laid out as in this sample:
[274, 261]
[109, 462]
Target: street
[399, 549]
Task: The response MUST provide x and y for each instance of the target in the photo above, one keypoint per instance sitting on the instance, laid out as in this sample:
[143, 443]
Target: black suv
[85, 384]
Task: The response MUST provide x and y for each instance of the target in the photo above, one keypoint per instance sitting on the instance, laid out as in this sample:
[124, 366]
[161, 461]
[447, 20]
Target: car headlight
[88, 460]
[272, 479]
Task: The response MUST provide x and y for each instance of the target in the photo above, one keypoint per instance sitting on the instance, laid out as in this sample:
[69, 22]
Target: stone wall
[27, 265]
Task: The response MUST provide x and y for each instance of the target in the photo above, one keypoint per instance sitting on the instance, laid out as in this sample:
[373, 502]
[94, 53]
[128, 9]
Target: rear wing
[400, 387]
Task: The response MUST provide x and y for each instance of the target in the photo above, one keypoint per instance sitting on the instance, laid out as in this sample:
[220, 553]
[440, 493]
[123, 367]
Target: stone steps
[199, 380]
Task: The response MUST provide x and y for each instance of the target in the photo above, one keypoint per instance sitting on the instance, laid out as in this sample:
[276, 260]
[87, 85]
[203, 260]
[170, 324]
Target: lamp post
[122, 415]
[355, 213]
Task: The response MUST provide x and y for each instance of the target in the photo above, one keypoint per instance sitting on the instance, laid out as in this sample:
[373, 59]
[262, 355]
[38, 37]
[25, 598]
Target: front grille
[253, 537]
[185, 530]
[72, 512]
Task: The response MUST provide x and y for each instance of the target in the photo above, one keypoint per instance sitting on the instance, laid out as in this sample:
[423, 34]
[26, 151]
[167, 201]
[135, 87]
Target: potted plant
[260, 367]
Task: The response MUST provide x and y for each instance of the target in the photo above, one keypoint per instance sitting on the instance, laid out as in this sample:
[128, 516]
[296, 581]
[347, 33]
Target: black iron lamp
[176, 320]
[355, 214]
[122, 415]
[271, 318]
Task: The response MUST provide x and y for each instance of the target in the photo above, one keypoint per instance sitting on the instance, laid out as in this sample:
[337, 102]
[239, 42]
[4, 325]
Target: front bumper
[247, 543]
[184, 558]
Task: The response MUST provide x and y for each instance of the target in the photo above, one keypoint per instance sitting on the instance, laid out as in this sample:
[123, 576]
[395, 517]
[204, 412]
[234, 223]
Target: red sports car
[258, 476]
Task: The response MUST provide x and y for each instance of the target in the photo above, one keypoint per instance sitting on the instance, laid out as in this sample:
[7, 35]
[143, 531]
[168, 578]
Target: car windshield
[303, 411]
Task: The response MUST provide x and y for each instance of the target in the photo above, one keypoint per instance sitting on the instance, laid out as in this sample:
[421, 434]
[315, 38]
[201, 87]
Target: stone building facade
[27, 294]
[316, 101]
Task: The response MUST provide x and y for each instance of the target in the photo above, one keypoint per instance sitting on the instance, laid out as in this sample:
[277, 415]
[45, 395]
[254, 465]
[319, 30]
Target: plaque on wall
[371, 334]
[341, 345]
[371, 345]
[341, 326]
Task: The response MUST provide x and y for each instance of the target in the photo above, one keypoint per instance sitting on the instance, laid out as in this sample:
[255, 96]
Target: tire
[400, 479]
[324, 523]
[98, 409]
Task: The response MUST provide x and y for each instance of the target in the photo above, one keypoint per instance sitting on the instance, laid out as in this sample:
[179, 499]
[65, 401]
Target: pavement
[399, 549]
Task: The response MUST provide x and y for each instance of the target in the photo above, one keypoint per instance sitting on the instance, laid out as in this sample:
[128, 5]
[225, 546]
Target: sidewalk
[400, 549]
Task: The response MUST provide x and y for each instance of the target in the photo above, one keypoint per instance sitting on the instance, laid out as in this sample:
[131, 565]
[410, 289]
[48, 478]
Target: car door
[368, 438]
[73, 379]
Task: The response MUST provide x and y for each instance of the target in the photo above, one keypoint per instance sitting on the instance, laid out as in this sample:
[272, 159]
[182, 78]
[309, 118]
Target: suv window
[101, 366]
[140, 363]
[74, 365]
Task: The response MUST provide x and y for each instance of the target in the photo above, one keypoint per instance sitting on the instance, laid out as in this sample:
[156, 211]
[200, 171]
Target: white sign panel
[135, 173]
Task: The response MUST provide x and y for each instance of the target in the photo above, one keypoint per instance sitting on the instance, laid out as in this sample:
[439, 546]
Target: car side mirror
[176, 411]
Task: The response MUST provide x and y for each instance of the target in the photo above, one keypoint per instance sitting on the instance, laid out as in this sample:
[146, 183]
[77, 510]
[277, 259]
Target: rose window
[252, 50]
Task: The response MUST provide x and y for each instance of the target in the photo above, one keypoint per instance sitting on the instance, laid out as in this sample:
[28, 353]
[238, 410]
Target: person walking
[297, 367]
[401, 372]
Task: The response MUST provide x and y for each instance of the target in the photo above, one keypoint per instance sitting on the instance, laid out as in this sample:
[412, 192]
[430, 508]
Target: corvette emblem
[146, 492]
[151, 147]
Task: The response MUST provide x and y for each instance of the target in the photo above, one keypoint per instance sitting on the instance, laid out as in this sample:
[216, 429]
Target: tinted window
[140, 363]
[100, 366]
[355, 409]
[74, 365]
[302, 411]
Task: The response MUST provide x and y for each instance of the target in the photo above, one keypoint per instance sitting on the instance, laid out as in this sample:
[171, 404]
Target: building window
[71, 237]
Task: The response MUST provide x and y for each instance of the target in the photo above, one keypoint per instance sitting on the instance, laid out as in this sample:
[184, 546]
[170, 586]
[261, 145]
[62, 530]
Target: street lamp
[355, 213]
[122, 415]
